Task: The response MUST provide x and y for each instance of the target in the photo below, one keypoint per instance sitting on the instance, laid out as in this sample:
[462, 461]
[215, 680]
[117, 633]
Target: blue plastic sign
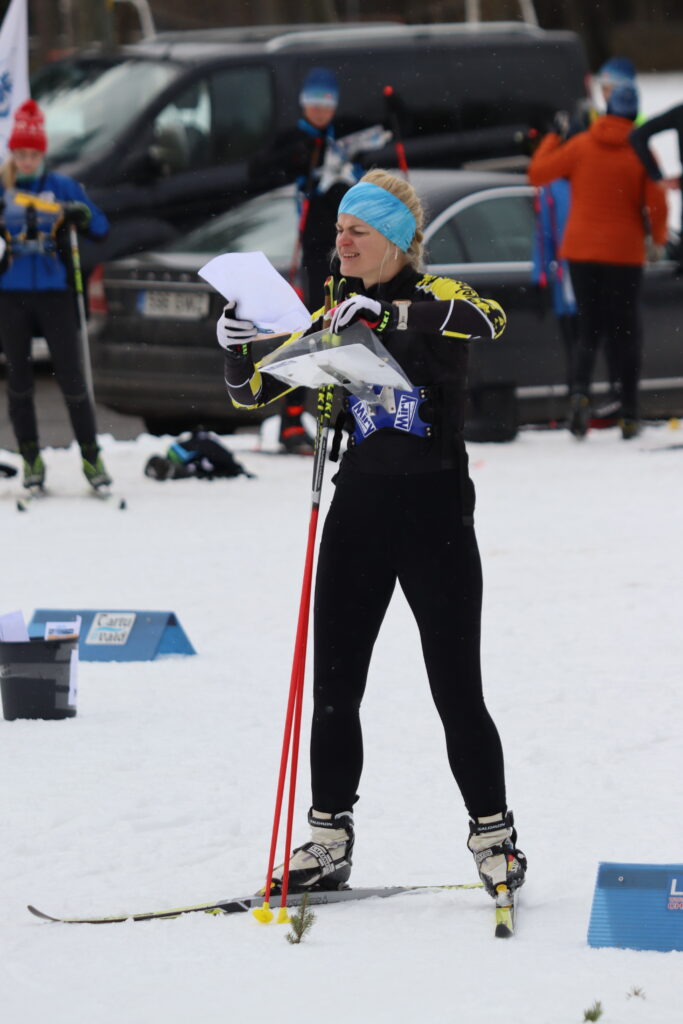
[119, 634]
[638, 906]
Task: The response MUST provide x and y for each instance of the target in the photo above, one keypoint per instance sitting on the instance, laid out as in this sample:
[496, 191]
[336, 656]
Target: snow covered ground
[160, 791]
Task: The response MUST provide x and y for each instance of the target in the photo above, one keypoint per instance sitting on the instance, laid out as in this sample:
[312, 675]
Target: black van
[163, 133]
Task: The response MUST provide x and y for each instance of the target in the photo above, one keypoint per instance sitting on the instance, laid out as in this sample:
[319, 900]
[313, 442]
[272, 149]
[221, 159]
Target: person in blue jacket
[36, 292]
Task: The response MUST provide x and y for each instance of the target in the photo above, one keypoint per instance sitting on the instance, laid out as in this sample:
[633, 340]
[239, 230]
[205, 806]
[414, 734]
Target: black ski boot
[493, 842]
[630, 428]
[32, 465]
[325, 862]
[579, 415]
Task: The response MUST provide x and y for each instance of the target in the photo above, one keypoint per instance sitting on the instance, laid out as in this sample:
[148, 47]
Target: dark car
[154, 347]
[169, 131]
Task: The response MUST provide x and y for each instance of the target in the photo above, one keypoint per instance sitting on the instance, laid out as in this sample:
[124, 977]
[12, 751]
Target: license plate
[174, 305]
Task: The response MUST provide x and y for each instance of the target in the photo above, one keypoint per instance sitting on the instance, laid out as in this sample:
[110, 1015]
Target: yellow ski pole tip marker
[263, 914]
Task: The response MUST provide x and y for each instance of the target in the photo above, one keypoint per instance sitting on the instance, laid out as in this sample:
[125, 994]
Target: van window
[499, 229]
[183, 129]
[219, 119]
[242, 101]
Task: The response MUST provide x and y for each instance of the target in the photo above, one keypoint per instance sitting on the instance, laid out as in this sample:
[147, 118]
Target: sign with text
[120, 634]
[638, 906]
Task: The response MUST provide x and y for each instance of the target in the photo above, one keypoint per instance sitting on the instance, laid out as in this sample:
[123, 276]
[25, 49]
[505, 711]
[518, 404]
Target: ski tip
[39, 913]
[503, 931]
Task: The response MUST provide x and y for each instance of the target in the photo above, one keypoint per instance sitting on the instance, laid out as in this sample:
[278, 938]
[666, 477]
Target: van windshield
[92, 114]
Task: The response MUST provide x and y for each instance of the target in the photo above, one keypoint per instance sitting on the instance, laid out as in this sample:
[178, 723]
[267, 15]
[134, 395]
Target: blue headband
[381, 210]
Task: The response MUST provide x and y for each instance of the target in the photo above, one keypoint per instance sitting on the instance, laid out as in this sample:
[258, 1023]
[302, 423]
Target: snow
[160, 792]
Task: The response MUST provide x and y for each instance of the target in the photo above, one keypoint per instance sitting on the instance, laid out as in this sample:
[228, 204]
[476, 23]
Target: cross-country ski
[242, 904]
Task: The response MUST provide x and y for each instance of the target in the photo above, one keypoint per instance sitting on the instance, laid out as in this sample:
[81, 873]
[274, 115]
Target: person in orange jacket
[614, 206]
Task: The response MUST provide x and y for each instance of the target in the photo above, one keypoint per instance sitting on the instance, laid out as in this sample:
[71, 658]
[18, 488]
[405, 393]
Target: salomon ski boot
[325, 862]
[93, 467]
[33, 465]
[492, 841]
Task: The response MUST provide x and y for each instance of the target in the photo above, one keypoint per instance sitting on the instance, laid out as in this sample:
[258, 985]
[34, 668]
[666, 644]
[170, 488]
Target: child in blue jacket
[36, 294]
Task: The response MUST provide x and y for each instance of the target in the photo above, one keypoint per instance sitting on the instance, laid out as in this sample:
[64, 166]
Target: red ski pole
[390, 100]
[292, 730]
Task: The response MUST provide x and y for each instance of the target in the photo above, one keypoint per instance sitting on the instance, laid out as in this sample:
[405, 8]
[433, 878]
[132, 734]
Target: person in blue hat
[308, 155]
[402, 514]
[615, 71]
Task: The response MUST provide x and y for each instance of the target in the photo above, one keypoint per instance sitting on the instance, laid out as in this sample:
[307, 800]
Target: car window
[94, 112]
[267, 224]
[494, 229]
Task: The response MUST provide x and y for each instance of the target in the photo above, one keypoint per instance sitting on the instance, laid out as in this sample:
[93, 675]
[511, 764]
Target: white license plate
[174, 305]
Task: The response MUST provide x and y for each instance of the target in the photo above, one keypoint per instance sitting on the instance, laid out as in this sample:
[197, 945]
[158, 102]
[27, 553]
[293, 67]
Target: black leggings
[380, 529]
[608, 300]
[51, 315]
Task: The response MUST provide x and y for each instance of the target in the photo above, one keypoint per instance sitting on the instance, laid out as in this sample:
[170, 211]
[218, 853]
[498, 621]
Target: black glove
[78, 214]
[377, 315]
[562, 124]
[233, 333]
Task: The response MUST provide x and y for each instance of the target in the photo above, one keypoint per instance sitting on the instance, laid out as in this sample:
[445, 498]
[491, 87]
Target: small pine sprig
[594, 1012]
[635, 992]
[301, 921]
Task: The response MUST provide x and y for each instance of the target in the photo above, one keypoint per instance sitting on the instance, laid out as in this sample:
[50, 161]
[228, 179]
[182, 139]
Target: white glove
[361, 141]
[377, 315]
[335, 170]
[230, 331]
[3, 247]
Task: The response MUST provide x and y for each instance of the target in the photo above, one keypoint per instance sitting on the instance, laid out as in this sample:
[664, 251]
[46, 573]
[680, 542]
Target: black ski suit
[403, 511]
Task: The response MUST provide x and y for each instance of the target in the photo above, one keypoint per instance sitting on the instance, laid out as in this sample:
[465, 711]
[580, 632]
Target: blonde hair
[404, 191]
[8, 172]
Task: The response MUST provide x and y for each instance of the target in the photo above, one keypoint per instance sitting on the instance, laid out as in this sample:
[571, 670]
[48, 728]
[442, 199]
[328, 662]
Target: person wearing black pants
[37, 299]
[403, 511]
[52, 316]
[608, 299]
[415, 534]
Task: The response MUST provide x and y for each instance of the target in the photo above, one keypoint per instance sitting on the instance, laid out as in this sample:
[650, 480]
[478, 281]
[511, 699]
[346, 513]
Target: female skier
[414, 475]
[36, 297]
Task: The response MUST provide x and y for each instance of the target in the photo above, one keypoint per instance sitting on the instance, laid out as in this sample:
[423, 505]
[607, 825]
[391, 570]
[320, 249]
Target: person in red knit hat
[28, 131]
[614, 205]
[36, 294]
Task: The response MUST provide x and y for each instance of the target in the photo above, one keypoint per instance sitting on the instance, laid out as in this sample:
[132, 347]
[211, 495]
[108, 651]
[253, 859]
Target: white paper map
[262, 295]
